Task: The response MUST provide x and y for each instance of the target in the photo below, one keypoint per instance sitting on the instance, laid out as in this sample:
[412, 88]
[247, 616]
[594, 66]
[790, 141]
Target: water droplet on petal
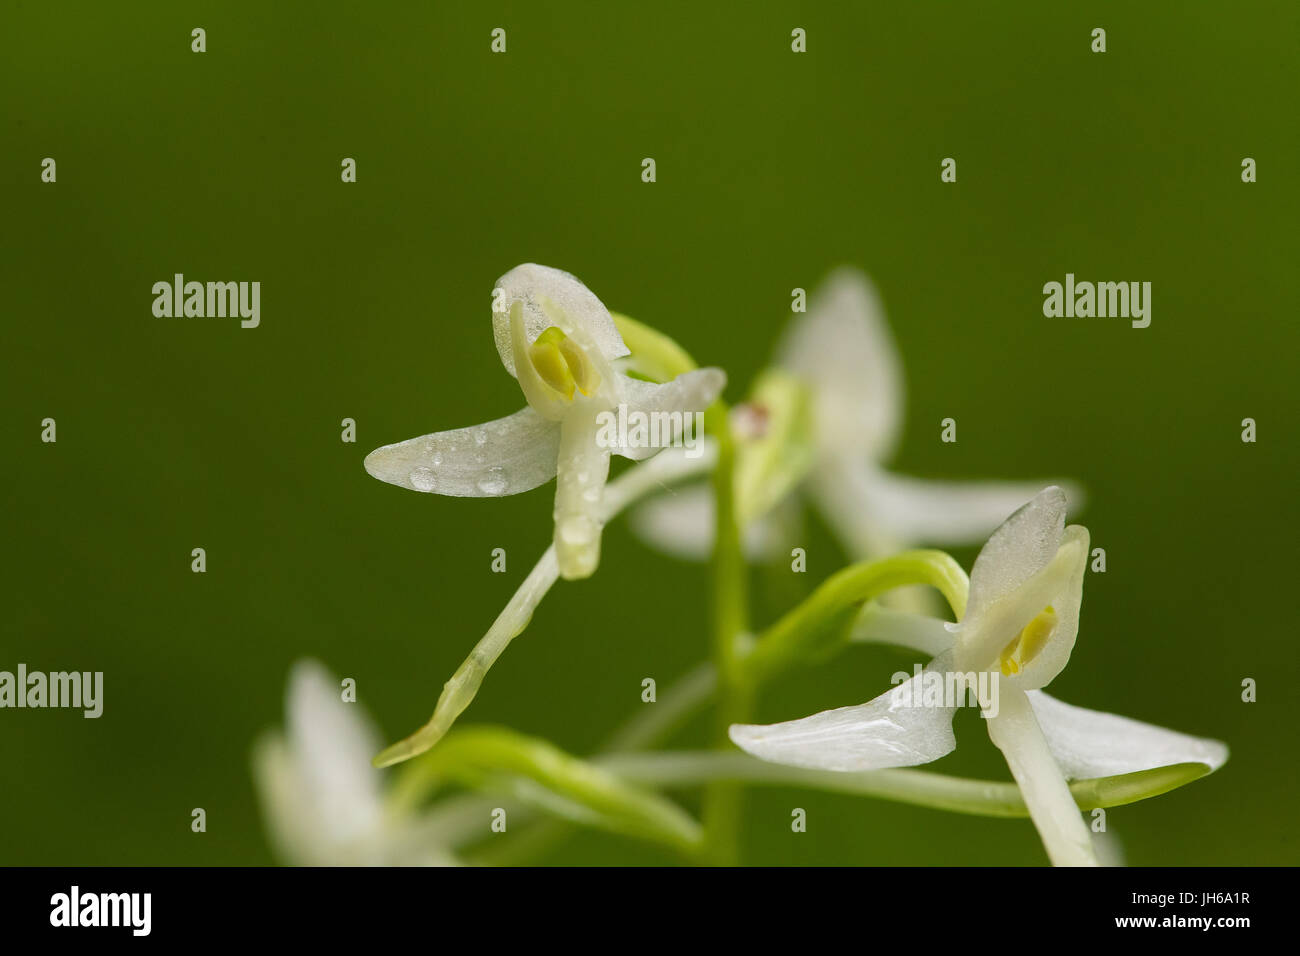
[493, 483]
[424, 479]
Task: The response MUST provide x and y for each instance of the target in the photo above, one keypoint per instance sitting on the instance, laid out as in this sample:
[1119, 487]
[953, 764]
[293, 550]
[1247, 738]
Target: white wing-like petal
[552, 297]
[332, 743]
[1093, 743]
[292, 824]
[321, 796]
[841, 348]
[896, 729]
[675, 403]
[842, 489]
[948, 512]
[680, 523]
[503, 457]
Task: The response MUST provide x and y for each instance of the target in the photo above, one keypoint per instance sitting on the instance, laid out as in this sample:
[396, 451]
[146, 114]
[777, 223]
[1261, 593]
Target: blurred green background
[772, 168]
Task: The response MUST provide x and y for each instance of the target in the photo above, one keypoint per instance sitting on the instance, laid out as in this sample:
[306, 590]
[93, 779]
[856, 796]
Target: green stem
[480, 755]
[807, 630]
[538, 772]
[651, 724]
[730, 585]
[723, 799]
[985, 798]
[659, 357]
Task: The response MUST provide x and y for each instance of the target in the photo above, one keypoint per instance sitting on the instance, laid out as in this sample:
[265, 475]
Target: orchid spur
[1018, 627]
[839, 360]
[561, 344]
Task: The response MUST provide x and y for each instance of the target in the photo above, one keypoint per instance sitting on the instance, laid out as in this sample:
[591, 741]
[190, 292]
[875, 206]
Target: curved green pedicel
[614, 792]
[660, 358]
[498, 759]
[806, 631]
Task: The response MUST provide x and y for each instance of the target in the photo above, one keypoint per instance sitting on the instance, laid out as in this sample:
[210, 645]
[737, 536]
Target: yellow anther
[1026, 645]
[563, 364]
[582, 371]
[548, 356]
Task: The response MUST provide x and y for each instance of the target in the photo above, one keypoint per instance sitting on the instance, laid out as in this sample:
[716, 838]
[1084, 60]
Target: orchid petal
[841, 348]
[1020, 548]
[333, 741]
[691, 392]
[292, 825]
[550, 297]
[985, 639]
[893, 730]
[1093, 743]
[1029, 565]
[1066, 600]
[842, 489]
[948, 512]
[541, 396]
[503, 457]
[322, 797]
[680, 523]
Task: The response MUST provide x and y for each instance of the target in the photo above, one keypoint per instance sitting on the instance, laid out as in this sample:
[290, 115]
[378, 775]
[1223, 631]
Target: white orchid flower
[1018, 630]
[323, 801]
[557, 339]
[842, 352]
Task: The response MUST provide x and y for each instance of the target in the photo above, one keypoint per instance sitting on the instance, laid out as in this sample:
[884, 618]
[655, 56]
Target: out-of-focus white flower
[560, 342]
[842, 353]
[1017, 633]
[322, 800]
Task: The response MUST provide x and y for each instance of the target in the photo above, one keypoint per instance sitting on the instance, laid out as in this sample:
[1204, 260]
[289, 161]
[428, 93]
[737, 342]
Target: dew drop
[423, 479]
[492, 483]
